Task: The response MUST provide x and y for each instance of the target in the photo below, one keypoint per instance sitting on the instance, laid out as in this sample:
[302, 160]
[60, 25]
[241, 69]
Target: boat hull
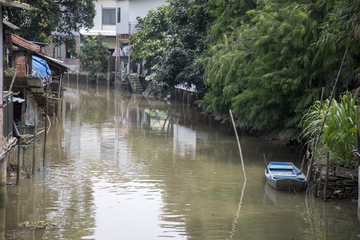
[284, 176]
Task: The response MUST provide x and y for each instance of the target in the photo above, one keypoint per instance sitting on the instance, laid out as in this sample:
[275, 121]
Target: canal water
[120, 166]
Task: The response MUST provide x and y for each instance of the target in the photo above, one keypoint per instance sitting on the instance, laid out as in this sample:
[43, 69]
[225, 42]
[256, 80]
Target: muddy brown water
[119, 166]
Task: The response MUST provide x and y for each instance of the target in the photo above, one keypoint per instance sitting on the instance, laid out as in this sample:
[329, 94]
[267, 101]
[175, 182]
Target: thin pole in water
[19, 148]
[35, 133]
[302, 164]
[238, 142]
[45, 133]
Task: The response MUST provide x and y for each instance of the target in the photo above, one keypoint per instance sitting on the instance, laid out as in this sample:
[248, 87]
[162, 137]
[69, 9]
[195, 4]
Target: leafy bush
[338, 135]
[93, 54]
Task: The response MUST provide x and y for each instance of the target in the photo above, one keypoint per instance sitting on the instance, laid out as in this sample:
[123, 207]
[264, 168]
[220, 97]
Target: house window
[59, 51]
[119, 15]
[108, 16]
[68, 54]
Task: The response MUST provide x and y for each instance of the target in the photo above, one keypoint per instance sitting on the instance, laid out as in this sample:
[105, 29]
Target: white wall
[99, 5]
[122, 27]
[131, 9]
[139, 8]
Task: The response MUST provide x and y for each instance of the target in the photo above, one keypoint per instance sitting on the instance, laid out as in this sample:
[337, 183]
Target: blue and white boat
[284, 176]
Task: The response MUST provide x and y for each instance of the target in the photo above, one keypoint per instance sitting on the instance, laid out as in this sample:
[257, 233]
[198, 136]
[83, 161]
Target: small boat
[284, 176]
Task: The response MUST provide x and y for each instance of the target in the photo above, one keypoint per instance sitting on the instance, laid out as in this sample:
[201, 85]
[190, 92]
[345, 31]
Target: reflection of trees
[194, 196]
[201, 190]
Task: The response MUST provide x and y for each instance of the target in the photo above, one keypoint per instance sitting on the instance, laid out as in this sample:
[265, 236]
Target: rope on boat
[293, 187]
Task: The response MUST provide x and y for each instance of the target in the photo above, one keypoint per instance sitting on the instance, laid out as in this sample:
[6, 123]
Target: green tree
[47, 17]
[266, 72]
[93, 54]
[151, 39]
[340, 29]
[188, 24]
[229, 15]
[342, 23]
[173, 37]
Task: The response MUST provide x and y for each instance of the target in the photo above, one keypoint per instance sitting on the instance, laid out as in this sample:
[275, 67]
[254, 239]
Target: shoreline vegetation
[273, 63]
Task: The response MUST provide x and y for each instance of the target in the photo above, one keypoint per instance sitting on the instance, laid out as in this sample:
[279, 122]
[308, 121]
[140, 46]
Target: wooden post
[35, 133]
[13, 80]
[129, 59]
[238, 142]
[326, 175]
[302, 164]
[19, 148]
[45, 133]
[267, 170]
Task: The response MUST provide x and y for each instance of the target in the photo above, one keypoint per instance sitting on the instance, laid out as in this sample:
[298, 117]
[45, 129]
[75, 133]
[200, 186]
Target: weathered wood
[19, 147]
[13, 80]
[45, 131]
[239, 146]
[302, 164]
[35, 134]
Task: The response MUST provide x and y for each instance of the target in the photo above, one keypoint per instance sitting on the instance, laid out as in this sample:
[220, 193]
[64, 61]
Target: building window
[59, 51]
[68, 54]
[108, 16]
[119, 15]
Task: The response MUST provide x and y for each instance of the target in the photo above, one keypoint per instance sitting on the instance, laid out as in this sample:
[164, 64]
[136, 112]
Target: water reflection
[120, 166]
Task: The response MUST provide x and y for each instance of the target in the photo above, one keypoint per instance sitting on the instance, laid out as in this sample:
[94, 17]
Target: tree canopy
[173, 37]
[265, 60]
[48, 17]
[93, 54]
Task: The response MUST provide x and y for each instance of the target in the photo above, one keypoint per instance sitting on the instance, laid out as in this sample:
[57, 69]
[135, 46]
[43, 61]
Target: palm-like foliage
[339, 133]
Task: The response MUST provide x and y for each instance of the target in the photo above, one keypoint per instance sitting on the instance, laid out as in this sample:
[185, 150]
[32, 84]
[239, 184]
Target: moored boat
[284, 176]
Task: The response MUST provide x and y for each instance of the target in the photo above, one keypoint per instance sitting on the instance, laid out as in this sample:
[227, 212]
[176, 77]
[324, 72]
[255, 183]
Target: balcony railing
[8, 114]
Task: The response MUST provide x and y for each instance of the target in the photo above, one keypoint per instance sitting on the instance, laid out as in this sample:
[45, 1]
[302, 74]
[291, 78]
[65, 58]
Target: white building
[127, 11]
[104, 22]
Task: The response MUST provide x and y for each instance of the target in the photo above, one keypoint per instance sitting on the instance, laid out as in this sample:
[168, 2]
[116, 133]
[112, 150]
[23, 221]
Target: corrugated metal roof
[54, 60]
[10, 25]
[106, 33]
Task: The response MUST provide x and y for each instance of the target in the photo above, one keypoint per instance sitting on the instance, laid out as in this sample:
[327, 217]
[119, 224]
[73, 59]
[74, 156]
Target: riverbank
[342, 183]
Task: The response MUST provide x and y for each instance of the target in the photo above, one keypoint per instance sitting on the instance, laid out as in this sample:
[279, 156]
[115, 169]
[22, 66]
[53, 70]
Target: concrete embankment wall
[82, 77]
[342, 183]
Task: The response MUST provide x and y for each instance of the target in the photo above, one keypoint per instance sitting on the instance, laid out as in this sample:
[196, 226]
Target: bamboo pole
[239, 146]
[265, 163]
[35, 134]
[45, 133]
[302, 164]
[308, 175]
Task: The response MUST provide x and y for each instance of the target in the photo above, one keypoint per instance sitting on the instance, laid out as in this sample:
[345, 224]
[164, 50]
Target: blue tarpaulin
[41, 67]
